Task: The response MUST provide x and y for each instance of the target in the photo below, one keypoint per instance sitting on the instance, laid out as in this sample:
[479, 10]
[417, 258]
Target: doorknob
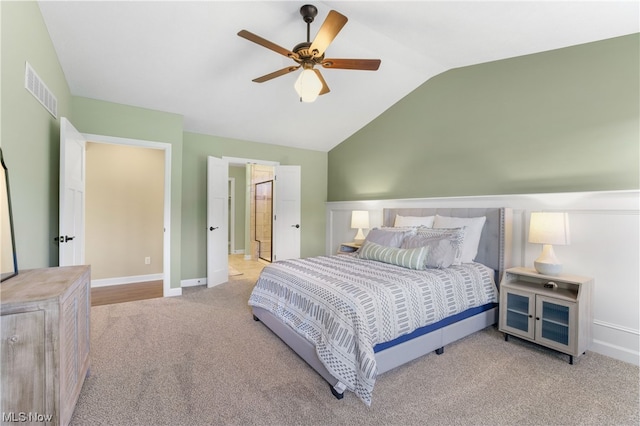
[63, 239]
[295, 226]
[211, 228]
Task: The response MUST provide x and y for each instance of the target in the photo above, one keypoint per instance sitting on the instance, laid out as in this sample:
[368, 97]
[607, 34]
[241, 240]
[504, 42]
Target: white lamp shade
[549, 228]
[359, 219]
[308, 85]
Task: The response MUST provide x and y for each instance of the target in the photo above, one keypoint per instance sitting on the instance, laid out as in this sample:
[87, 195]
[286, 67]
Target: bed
[352, 319]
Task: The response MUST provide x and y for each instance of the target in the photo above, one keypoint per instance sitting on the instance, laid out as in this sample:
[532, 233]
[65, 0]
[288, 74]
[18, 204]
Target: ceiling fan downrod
[308, 12]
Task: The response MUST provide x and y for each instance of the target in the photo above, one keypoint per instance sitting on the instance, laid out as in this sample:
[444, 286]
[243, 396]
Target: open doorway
[263, 222]
[261, 178]
[133, 199]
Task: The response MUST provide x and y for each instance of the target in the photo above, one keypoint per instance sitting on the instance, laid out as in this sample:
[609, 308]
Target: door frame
[244, 162]
[232, 215]
[166, 147]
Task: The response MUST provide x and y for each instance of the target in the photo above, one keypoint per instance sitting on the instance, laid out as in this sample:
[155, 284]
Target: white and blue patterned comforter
[345, 306]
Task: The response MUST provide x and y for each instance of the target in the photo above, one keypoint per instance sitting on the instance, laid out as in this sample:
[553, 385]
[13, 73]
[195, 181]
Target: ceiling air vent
[34, 84]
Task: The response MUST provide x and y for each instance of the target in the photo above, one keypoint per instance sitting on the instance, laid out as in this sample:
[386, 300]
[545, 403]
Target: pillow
[442, 250]
[407, 258]
[413, 221]
[389, 237]
[456, 237]
[473, 230]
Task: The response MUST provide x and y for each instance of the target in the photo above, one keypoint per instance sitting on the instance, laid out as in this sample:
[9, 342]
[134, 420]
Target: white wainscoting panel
[605, 245]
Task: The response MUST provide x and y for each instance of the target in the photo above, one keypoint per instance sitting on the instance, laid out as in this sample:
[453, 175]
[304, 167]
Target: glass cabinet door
[518, 315]
[555, 323]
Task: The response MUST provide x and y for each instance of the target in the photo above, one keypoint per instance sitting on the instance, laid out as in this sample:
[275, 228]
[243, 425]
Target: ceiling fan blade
[352, 64]
[275, 74]
[325, 88]
[328, 31]
[266, 43]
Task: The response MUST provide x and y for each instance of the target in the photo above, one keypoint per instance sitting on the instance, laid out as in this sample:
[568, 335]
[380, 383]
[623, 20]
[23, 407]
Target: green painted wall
[196, 149]
[29, 135]
[563, 120]
[124, 121]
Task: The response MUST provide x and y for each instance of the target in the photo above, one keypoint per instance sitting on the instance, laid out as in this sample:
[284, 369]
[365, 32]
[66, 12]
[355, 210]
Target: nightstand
[553, 311]
[346, 248]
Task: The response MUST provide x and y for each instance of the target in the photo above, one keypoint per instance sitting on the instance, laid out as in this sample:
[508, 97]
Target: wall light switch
[147, 260]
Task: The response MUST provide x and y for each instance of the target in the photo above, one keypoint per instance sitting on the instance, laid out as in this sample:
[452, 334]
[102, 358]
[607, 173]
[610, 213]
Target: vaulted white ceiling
[186, 58]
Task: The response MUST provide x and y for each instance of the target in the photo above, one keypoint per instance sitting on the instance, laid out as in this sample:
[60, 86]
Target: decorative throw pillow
[473, 231]
[407, 258]
[403, 221]
[455, 236]
[442, 250]
[389, 237]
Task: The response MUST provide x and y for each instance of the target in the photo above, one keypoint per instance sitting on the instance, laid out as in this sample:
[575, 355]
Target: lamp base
[359, 238]
[547, 263]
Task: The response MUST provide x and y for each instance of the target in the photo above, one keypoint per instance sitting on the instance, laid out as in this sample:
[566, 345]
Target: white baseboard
[617, 352]
[618, 342]
[172, 292]
[193, 282]
[104, 282]
[241, 251]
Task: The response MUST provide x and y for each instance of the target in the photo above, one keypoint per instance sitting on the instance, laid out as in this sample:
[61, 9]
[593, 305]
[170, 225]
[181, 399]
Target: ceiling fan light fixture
[308, 85]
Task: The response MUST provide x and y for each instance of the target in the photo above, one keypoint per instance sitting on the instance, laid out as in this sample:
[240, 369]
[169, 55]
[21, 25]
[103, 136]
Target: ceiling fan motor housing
[308, 12]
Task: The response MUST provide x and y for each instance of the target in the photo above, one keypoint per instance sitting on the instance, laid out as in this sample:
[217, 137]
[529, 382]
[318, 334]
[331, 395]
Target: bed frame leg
[338, 395]
[255, 318]
[440, 351]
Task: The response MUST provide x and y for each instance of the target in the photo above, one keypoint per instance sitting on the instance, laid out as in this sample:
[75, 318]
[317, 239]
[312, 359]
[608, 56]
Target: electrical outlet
[147, 260]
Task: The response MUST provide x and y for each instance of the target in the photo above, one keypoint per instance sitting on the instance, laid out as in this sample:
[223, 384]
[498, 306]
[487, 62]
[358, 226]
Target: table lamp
[549, 229]
[359, 220]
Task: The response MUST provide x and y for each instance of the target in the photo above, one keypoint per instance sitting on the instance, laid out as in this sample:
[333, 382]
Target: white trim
[104, 282]
[173, 292]
[617, 327]
[237, 161]
[615, 351]
[193, 282]
[166, 147]
[232, 214]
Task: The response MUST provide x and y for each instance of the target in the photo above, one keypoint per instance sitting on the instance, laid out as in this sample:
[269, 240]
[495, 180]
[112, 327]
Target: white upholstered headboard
[494, 249]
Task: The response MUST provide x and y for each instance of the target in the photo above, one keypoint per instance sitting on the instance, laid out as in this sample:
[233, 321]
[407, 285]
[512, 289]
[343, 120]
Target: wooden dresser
[44, 352]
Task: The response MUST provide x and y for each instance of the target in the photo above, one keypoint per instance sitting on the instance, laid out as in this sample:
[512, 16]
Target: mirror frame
[5, 275]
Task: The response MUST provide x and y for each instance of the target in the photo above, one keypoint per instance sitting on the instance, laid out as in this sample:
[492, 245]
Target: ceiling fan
[308, 54]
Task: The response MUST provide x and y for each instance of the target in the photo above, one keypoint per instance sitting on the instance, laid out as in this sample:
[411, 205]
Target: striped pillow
[407, 258]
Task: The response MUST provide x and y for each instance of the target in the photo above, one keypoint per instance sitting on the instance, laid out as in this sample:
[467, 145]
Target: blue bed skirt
[432, 327]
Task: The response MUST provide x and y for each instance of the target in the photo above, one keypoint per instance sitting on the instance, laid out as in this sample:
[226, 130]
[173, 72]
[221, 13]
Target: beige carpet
[200, 359]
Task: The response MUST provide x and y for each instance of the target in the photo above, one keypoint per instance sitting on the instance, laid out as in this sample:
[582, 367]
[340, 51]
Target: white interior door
[217, 221]
[72, 195]
[286, 223]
